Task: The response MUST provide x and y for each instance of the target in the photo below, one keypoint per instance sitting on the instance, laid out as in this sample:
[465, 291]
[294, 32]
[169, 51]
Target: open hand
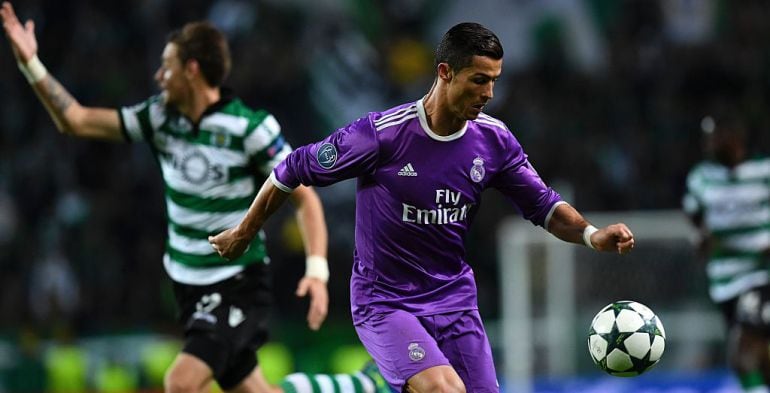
[22, 38]
[319, 300]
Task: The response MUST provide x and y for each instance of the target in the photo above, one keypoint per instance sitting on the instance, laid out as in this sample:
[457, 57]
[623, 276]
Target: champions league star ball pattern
[626, 339]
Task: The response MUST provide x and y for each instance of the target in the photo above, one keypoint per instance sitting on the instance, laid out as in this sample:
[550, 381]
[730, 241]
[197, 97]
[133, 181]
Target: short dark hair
[208, 46]
[465, 40]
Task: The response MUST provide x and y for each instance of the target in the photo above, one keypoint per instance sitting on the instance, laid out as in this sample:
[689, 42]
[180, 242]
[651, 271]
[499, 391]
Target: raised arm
[569, 225]
[69, 116]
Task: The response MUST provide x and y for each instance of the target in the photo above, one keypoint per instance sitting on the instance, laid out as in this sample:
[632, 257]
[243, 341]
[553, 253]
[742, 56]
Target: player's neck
[439, 116]
[197, 102]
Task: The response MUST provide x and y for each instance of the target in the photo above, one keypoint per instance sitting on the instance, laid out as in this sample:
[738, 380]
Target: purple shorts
[402, 345]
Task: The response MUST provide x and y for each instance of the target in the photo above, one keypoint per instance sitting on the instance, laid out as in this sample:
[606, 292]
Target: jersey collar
[424, 123]
[226, 96]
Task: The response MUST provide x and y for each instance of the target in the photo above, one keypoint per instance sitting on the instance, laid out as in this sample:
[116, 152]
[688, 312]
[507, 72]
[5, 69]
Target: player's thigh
[435, 379]
[187, 374]
[400, 345]
[463, 340]
[226, 323]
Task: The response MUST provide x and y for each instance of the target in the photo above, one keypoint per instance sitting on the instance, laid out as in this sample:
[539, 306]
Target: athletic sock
[371, 370]
[326, 383]
[753, 383]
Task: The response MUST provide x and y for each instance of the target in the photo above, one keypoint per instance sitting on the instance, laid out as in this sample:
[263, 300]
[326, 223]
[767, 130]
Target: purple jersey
[416, 198]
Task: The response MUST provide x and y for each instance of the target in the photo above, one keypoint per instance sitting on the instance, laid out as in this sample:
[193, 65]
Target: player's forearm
[72, 118]
[312, 224]
[55, 98]
[567, 224]
[268, 200]
[60, 104]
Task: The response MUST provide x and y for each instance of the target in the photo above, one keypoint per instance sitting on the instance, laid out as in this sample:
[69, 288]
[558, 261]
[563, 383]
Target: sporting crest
[477, 170]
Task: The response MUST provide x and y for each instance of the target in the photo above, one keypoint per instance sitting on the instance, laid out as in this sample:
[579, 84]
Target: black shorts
[728, 311]
[751, 310]
[226, 322]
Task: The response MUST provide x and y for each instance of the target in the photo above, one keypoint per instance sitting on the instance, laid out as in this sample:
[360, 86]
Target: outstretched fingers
[319, 300]
[8, 15]
[6, 12]
[21, 37]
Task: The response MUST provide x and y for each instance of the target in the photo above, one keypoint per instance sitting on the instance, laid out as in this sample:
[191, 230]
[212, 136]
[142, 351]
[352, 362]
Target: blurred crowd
[605, 95]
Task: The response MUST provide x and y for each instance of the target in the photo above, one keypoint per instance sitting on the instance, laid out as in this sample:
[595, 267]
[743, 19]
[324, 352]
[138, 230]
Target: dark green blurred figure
[728, 200]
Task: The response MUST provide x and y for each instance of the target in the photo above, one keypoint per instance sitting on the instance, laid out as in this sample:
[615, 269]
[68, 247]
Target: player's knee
[175, 382]
[440, 384]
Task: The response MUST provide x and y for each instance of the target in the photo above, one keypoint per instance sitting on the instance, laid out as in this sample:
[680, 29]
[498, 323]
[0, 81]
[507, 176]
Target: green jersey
[735, 206]
[212, 172]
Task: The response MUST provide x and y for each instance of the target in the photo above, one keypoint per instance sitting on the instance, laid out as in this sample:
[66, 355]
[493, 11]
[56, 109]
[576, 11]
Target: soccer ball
[626, 339]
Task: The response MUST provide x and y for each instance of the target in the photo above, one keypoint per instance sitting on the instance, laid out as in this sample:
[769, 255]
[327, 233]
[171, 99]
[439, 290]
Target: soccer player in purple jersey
[421, 168]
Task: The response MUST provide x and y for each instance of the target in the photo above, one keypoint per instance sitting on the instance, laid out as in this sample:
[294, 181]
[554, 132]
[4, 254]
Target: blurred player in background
[728, 199]
[421, 169]
[213, 152]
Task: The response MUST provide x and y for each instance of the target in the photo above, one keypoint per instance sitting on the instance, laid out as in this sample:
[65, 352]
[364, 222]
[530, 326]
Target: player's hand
[319, 300]
[230, 244]
[616, 237]
[22, 38]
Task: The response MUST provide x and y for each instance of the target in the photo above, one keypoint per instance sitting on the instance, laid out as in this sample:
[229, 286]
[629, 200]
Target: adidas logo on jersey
[407, 170]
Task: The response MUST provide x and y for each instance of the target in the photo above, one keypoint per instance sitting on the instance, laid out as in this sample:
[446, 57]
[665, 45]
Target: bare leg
[439, 379]
[748, 357]
[255, 383]
[188, 374]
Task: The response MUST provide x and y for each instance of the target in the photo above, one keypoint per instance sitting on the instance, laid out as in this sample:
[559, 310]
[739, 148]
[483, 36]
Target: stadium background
[606, 96]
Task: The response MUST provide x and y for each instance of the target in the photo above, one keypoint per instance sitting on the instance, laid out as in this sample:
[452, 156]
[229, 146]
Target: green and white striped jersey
[735, 205]
[212, 173]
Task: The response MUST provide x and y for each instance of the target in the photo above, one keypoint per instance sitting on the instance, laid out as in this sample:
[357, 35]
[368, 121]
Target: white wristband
[33, 70]
[590, 230]
[318, 267]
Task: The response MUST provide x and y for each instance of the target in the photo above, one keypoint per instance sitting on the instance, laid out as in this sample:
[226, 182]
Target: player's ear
[192, 68]
[444, 72]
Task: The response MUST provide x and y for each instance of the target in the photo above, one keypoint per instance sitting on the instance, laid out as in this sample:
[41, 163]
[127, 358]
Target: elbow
[64, 127]
[67, 129]
[72, 120]
[305, 197]
[70, 129]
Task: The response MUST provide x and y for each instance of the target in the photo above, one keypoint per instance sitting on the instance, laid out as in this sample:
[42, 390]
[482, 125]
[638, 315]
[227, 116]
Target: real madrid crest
[477, 170]
[416, 352]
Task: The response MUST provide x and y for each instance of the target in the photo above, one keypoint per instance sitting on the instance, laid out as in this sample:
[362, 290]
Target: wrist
[587, 232]
[33, 70]
[317, 266]
[245, 232]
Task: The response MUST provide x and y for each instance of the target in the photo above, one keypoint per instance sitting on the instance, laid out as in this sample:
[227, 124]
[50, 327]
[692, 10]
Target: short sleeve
[265, 144]
[135, 120]
[521, 184]
[691, 204]
[349, 152]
